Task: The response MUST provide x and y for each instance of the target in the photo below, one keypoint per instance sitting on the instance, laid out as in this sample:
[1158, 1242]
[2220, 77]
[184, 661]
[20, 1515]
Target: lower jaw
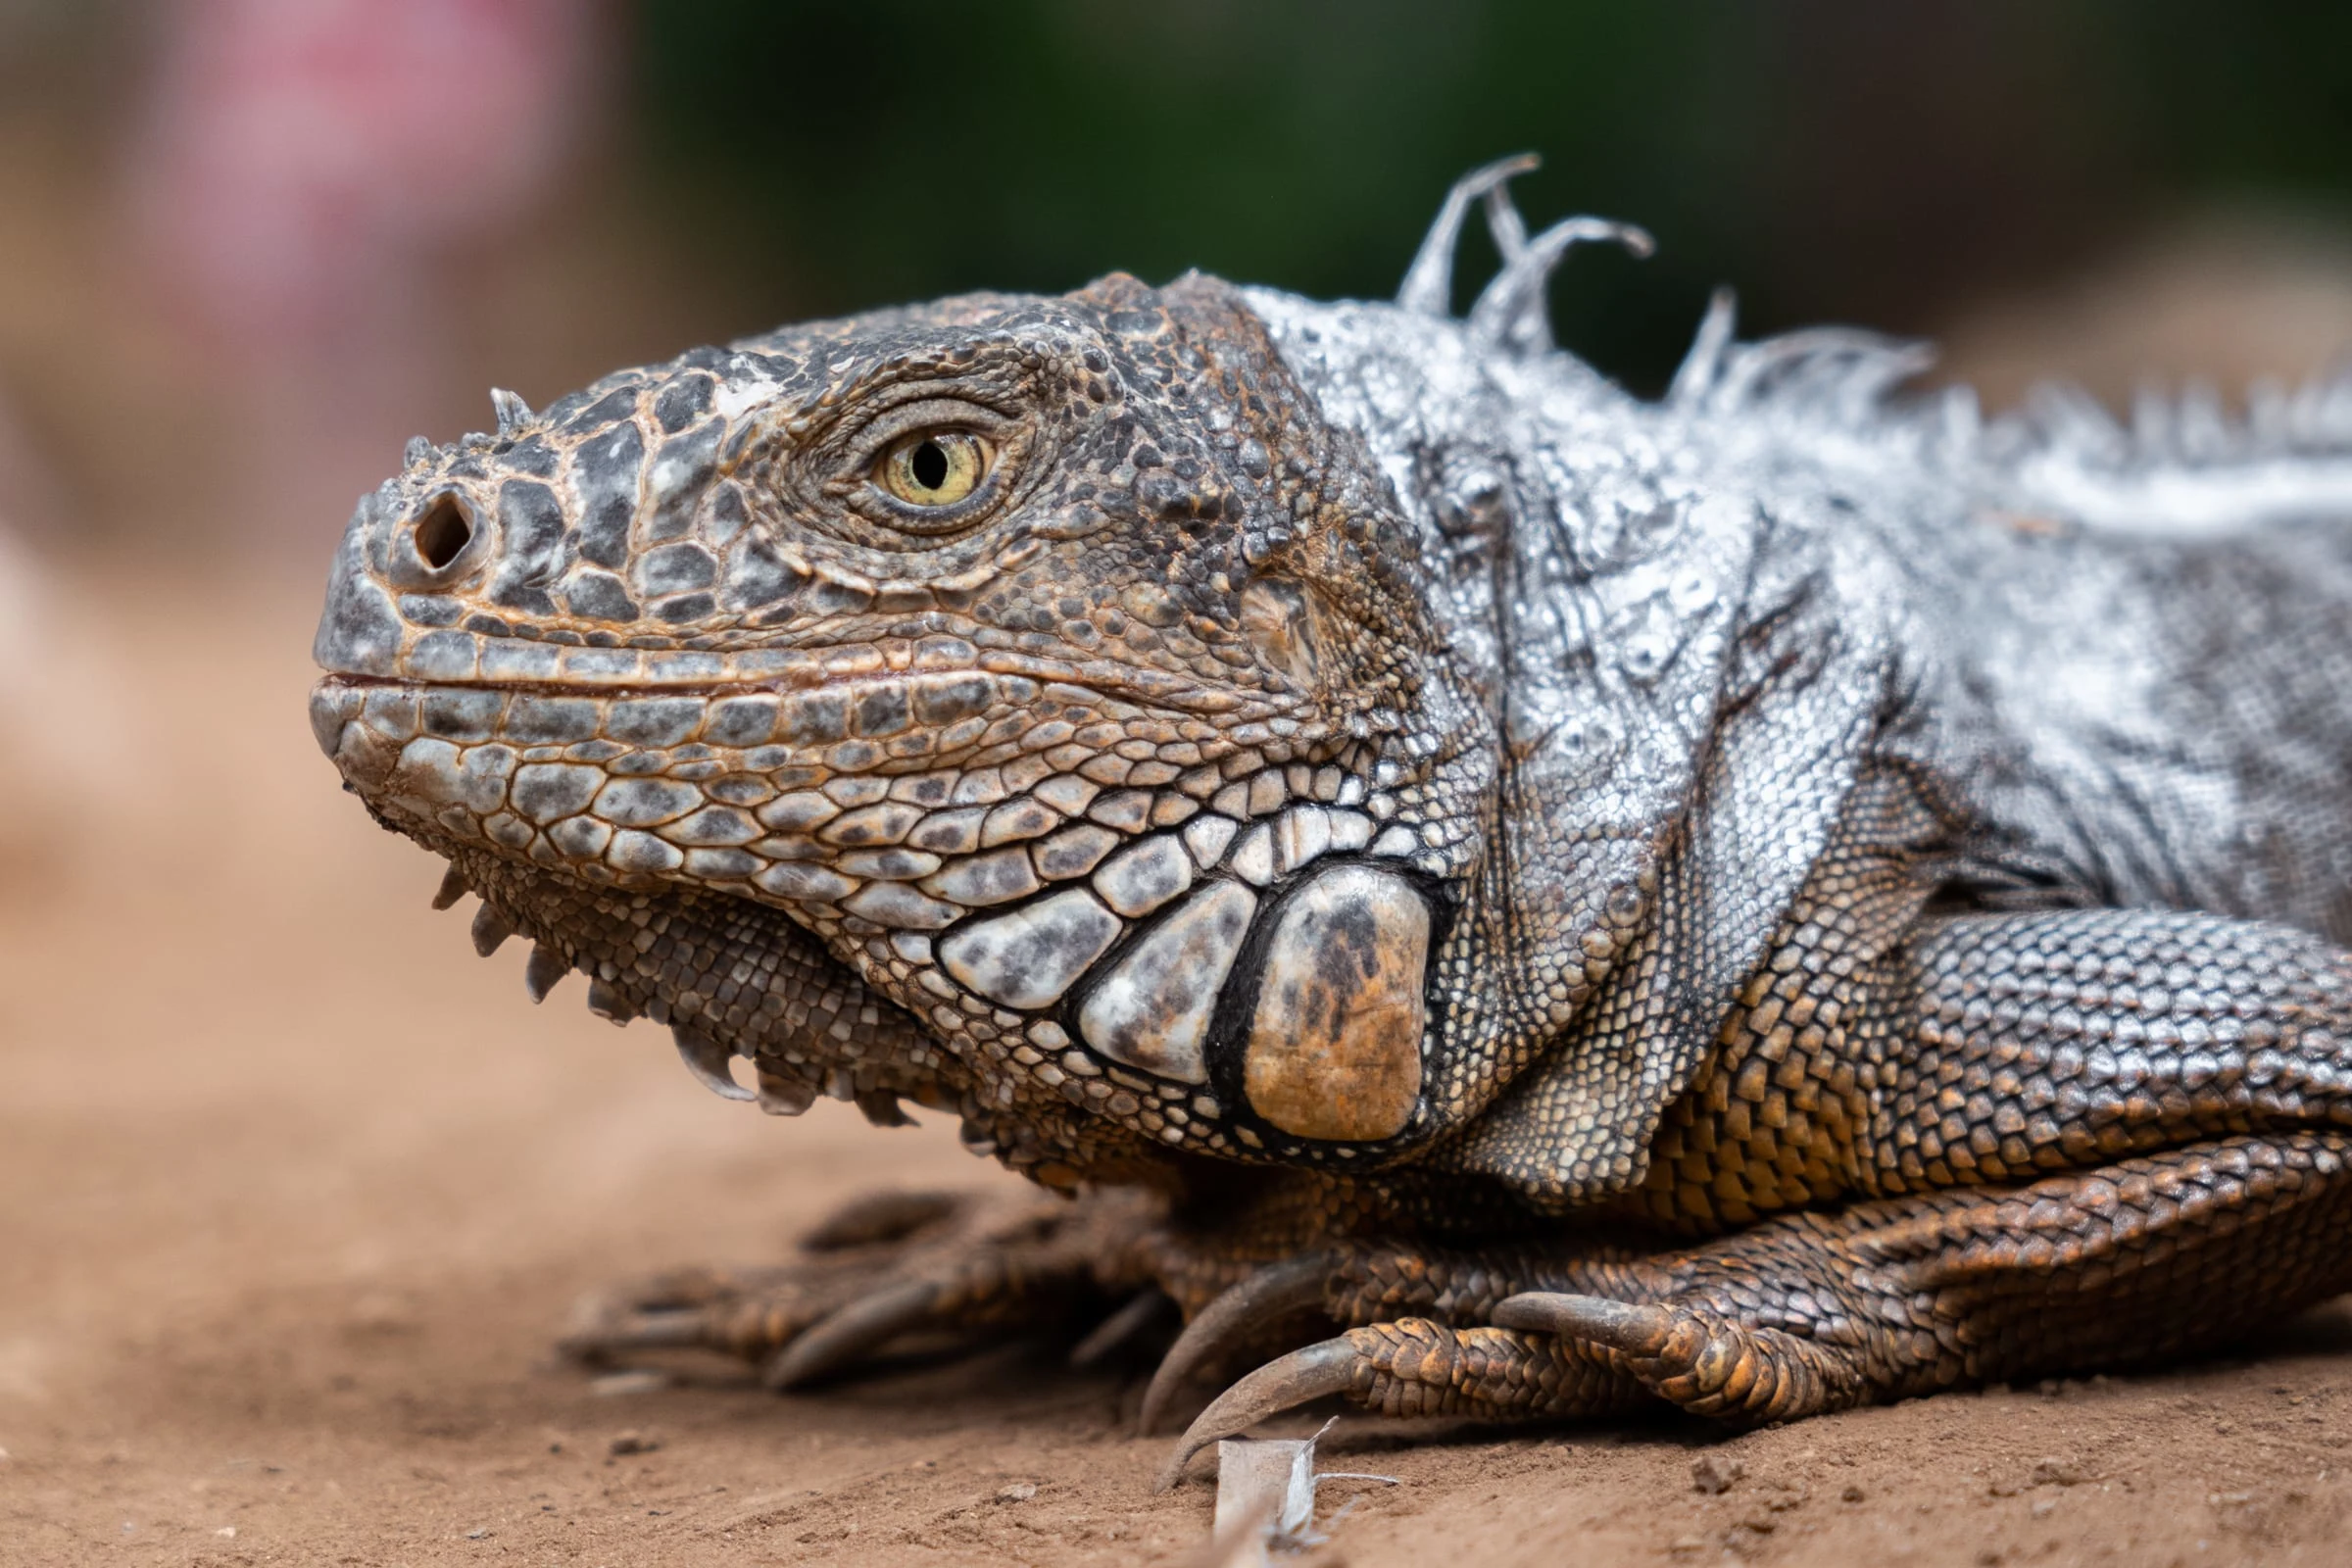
[730, 978]
[674, 956]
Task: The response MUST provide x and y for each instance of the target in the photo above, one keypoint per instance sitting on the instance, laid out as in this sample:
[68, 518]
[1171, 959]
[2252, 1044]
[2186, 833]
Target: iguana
[1499, 896]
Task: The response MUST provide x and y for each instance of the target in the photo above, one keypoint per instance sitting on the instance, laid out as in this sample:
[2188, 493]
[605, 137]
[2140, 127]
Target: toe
[845, 1337]
[598, 1337]
[1634, 1328]
[1707, 1362]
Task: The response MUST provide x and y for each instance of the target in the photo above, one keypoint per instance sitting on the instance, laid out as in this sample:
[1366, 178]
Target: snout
[401, 543]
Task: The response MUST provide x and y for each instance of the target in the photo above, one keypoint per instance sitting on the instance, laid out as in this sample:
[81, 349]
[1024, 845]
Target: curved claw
[1138, 1314]
[1291, 1286]
[835, 1342]
[1328, 1367]
[597, 1342]
[1627, 1326]
[879, 1218]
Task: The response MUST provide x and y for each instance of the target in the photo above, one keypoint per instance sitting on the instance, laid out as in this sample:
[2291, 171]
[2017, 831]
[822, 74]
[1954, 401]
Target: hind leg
[2175, 1081]
[2191, 1072]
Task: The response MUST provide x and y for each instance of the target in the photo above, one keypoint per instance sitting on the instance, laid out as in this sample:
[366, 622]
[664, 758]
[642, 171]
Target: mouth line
[595, 689]
[1195, 697]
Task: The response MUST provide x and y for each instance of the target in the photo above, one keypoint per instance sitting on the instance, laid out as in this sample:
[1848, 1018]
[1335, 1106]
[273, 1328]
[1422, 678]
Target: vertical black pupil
[929, 466]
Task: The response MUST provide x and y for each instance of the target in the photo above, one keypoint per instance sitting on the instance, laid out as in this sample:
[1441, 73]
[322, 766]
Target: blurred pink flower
[302, 159]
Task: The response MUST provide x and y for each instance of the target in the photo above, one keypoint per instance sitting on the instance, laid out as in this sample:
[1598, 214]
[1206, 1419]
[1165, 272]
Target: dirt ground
[294, 1190]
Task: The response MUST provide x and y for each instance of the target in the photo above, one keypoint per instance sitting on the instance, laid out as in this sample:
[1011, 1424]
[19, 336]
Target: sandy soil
[293, 1191]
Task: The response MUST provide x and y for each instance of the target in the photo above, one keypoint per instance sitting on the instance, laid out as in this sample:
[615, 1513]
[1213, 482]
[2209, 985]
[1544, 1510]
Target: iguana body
[1774, 897]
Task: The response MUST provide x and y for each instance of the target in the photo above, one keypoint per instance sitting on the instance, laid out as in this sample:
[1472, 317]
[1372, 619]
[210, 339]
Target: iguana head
[1084, 690]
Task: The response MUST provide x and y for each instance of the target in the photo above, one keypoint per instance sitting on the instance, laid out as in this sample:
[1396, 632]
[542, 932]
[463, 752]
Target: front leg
[2121, 1125]
[2173, 1081]
[2018, 1045]
[1111, 1265]
[2143, 1260]
[1809, 1314]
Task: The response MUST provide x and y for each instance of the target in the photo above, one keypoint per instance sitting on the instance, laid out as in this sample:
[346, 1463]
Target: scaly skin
[1772, 900]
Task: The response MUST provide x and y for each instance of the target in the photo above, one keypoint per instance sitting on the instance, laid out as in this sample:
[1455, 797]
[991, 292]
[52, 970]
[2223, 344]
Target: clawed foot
[1809, 1314]
[1499, 1333]
[1791, 1317]
[900, 1271]
[1480, 1346]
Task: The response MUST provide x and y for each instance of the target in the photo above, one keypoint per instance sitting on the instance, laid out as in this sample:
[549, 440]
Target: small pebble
[1018, 1491]
[1851, 1493]
[632, 1442]
[477, 1535]
[1712, 1475]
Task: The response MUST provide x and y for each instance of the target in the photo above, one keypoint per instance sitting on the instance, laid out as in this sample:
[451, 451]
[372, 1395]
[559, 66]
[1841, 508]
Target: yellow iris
[934, 467]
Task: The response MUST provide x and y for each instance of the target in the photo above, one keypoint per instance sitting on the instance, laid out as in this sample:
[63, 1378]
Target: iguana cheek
[1335, 1045]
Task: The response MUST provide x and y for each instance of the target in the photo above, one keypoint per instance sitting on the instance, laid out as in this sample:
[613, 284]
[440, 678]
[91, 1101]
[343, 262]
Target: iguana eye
[934, 468]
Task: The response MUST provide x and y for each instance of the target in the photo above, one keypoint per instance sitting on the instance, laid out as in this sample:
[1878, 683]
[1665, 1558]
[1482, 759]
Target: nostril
[445, 528]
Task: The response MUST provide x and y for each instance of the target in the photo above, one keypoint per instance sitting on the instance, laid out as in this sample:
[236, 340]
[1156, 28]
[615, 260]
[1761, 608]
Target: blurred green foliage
[1842, 158]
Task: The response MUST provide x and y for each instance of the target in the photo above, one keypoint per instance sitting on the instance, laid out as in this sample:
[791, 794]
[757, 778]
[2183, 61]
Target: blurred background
[249, 246]
[288, 1179]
